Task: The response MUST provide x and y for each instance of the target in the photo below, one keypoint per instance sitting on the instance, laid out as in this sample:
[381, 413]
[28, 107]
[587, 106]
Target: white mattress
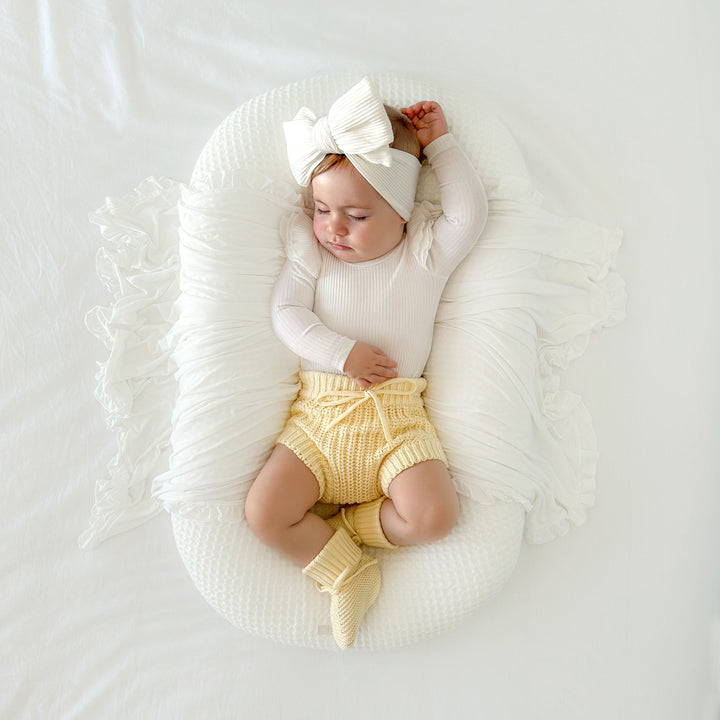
[615, 108]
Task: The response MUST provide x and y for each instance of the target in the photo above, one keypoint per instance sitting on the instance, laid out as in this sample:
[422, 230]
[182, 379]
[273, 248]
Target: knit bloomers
[357, 441]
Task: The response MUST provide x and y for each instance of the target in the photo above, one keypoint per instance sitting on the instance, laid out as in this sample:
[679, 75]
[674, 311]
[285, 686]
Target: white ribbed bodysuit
[322, 306]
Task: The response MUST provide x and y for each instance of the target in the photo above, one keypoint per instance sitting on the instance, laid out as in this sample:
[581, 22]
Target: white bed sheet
[615, 106]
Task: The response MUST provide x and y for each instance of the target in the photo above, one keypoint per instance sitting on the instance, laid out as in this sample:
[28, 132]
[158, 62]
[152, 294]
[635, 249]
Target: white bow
[356, 126]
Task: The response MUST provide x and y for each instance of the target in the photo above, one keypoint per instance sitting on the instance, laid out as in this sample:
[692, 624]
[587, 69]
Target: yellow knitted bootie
[363, 524]
[353, 580]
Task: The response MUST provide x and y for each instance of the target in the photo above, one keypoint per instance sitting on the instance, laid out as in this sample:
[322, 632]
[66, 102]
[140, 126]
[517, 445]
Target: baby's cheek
[316, 229]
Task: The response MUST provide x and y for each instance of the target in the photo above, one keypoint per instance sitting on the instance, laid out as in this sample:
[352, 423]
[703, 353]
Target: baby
[356, 300]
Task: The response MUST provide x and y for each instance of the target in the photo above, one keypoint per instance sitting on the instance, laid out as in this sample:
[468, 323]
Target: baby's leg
[423, 505]
[278, 504]
[278, 512]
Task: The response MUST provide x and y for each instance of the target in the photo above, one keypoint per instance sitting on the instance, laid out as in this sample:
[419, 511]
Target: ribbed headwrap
[358, 127]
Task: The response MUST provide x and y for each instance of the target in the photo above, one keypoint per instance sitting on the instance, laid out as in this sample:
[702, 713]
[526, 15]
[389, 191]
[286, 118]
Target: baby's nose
[336, 225]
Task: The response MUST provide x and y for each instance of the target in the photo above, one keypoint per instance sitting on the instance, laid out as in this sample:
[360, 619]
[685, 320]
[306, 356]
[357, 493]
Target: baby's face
[351, 219]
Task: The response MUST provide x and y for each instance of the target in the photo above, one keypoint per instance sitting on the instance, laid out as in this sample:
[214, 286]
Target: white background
[615, 105]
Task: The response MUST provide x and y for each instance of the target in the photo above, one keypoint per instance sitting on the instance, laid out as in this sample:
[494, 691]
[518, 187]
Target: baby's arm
[462, 196]
[302, 331]
[298, 327]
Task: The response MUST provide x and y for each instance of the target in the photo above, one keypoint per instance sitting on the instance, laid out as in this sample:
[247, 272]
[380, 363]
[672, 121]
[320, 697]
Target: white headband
[358, 127]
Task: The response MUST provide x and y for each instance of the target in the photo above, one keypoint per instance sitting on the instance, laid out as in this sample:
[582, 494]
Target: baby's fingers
[382, 359]
[381, 375]
[421, 109]
[384, 373]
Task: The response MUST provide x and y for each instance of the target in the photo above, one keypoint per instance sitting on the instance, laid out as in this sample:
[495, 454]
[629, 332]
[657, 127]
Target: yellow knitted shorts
[356, 441]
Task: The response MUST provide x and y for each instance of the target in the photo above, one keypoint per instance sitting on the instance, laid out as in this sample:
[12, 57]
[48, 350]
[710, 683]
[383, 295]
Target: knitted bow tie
[358, 127]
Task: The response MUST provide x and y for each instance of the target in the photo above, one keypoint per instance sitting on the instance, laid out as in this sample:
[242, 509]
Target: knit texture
[353, 580]
[363, 523]
[357, 441]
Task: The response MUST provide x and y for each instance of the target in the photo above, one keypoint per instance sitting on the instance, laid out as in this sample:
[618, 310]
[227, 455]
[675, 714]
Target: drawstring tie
[394, 387]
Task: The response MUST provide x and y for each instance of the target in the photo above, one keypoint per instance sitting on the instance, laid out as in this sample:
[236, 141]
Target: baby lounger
[519, 308]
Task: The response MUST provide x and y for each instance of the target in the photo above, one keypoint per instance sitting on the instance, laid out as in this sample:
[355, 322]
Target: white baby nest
[520, 307]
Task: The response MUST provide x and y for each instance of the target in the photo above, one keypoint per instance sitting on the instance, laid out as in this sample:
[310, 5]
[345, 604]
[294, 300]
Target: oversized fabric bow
[356, 126]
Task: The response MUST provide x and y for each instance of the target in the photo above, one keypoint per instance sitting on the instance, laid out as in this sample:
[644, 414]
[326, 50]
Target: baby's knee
[436, 519]
[262, 517]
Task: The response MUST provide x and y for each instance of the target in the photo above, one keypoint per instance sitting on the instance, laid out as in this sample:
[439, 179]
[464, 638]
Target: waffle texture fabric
[426, 589]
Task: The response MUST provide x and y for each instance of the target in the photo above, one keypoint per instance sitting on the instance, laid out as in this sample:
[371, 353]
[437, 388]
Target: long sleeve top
[322, 306]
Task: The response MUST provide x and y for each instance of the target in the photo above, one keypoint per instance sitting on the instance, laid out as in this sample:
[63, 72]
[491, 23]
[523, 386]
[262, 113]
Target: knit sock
[363, 523]
[353, 580]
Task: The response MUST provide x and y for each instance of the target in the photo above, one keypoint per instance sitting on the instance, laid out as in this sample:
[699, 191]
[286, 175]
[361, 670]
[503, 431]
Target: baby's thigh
[284, 489]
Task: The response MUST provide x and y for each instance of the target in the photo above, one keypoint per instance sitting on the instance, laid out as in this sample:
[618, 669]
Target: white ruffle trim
[135, 386]
[235, 379]
[519, 309]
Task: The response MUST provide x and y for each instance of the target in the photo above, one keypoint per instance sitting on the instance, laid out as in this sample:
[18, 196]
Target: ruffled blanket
[194, 365]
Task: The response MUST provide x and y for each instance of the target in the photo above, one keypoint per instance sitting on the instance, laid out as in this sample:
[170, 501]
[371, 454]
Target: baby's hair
[404, 139]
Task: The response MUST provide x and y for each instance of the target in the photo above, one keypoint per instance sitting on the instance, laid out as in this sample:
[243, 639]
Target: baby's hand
[428, 119]
[367, 365]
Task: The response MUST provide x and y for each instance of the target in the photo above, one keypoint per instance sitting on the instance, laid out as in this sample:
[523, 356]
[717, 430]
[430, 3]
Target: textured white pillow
[514, 314]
